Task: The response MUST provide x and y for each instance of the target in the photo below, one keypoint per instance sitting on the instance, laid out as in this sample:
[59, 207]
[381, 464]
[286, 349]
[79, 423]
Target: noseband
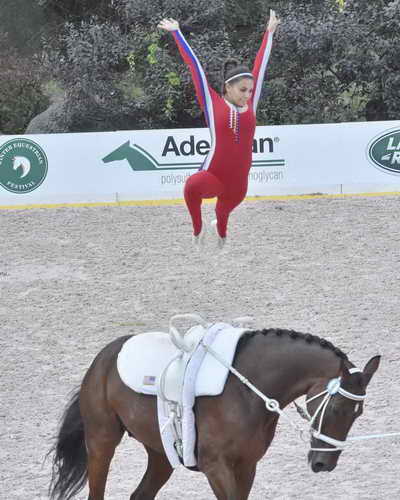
[332, 388]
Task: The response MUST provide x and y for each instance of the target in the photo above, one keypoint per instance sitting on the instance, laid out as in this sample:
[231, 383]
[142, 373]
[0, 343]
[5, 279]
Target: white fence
[153, 165]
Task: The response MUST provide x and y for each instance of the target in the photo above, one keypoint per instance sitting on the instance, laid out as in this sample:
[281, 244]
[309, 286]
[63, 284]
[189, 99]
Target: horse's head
[333, 406]
[23, 163]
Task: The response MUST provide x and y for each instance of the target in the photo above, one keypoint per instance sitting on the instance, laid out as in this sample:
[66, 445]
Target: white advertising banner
[153, 165]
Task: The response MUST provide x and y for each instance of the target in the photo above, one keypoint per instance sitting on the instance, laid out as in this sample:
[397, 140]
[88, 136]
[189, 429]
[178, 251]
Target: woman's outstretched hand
[168, 25]
[273, 22]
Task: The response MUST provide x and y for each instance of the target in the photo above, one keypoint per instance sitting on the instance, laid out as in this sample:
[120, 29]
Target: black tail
[69, 474]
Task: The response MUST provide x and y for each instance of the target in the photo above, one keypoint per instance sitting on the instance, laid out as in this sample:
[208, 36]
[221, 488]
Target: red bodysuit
[224, 173]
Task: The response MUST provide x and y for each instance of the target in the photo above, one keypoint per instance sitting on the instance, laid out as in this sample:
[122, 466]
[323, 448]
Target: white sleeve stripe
[208, 101]
[261, 74]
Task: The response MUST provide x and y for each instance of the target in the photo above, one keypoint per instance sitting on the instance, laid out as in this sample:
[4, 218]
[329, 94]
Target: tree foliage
[21, 95]
[337, 63]
[332, 61]
[23, 22]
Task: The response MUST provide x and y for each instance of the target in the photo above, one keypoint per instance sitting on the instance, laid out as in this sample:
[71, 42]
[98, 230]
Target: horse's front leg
[222, 479]
[244, 474]
[230, 483]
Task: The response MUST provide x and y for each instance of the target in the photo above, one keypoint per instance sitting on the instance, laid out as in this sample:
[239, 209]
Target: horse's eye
[356, 408]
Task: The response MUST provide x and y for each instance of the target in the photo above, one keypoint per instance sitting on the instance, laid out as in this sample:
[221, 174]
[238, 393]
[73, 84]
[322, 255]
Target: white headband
[237, 76]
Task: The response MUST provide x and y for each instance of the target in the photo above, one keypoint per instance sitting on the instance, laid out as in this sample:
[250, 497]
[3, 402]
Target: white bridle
[332, 388]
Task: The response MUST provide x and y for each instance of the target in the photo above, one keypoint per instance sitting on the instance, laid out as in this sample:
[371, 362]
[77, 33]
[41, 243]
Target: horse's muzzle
[322, 461]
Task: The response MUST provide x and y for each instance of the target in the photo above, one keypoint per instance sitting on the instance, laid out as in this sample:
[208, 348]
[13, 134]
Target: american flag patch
[149, 380]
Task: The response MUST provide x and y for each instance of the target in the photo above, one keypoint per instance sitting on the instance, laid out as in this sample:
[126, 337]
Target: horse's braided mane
[279, 332]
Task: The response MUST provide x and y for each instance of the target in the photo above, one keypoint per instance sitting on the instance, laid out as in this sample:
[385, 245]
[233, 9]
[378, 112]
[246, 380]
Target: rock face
[54, 120]
[82, 116]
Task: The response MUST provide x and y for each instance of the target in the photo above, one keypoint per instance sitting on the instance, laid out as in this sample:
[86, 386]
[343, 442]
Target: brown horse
[234, 430]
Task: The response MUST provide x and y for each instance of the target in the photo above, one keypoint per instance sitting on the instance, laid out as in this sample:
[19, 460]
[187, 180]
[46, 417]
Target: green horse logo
[141, 160]
[384, 152]
[137, 157]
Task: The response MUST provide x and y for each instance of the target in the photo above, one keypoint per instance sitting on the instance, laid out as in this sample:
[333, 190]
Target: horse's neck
[291, 367]
[312, 367]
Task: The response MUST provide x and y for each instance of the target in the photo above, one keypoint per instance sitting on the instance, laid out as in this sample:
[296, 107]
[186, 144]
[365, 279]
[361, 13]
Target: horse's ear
[344, 368]
[370, 368]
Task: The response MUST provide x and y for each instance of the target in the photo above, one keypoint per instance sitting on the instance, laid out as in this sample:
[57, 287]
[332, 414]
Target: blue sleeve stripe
[202, 80]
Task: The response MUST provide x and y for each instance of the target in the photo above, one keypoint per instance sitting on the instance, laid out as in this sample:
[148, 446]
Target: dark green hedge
[329, 63]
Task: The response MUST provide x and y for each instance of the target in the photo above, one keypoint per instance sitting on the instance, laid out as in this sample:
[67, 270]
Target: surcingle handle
[177, 337]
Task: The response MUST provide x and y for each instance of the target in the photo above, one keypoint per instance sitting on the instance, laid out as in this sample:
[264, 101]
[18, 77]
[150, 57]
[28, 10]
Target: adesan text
[190, 147]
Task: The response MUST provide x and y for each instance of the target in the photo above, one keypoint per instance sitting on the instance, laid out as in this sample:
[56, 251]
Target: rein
[271, 404]
[332, 388]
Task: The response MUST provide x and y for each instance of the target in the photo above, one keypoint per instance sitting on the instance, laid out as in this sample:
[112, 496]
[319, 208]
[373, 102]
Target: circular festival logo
[23, 165]
[384, 151]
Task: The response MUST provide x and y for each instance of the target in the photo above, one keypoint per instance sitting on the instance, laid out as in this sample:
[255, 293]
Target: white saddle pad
[144, 357]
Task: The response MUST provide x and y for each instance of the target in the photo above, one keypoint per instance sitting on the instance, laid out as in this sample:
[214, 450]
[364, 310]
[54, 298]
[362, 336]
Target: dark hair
[231, 68]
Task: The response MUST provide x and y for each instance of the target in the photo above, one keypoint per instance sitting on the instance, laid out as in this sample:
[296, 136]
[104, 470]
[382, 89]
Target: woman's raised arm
[196, 70]
[261, 61]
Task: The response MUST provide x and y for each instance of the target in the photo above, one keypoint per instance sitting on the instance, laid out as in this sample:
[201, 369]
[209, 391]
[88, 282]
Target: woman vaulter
[231, 118]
